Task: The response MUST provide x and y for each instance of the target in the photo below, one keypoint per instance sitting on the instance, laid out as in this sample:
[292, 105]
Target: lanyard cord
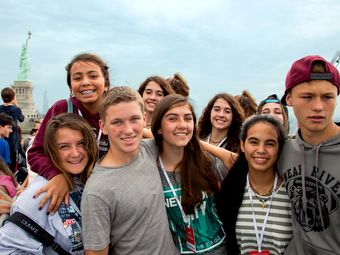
[174, 192]
[259, 236]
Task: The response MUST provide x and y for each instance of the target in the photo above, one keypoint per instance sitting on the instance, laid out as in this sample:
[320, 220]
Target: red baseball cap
[301, 71]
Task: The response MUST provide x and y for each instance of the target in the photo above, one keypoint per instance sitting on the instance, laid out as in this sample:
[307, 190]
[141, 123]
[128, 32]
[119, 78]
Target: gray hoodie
[312, 176]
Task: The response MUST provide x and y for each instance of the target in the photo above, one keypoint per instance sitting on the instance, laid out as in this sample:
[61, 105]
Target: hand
[5, 207]
[57, 189]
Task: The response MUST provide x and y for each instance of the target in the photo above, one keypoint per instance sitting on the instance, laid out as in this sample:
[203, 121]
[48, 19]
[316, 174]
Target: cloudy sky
[217, 45]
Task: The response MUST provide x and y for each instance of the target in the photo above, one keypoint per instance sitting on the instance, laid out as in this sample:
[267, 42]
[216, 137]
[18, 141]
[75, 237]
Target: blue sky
[217, 45]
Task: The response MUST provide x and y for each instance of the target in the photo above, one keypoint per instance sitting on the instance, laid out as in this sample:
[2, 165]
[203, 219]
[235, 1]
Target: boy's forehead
[124, 109]
[310, 86]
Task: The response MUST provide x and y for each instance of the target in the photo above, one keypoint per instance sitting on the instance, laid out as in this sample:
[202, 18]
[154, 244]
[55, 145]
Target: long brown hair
[165, 86]
[205, 126]
[75, 122]
[196, 170]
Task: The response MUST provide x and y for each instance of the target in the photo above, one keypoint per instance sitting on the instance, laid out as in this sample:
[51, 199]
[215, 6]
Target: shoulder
[59, 107]
[149, 146]
[25, 201]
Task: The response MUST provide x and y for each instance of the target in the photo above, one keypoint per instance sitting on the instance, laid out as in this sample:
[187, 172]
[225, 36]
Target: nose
[85, 81]
[128, 128]
[317, 104]
[182, 123]
[74, 151]
[261, 148]
[153, 96]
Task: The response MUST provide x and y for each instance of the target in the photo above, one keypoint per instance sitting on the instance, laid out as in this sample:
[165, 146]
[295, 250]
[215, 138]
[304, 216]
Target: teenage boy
[5, 130]
[310, 163]
[10, 107]
[122, 206]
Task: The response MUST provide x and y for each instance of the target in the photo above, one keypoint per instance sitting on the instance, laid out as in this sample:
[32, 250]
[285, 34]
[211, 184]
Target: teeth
[260, 160]
[128, 139]
[180, 134]
[86, 92]
[75, 162]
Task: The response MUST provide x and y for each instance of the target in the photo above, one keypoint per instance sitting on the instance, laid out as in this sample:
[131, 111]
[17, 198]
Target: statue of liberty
[24, 62]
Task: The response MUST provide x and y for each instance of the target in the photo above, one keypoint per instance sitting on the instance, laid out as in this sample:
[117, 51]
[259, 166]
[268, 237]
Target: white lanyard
[259, 236]
[99, 132]
[222, 141]
[174, 192]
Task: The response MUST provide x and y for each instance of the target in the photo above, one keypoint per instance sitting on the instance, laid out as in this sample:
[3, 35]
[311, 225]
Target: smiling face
[152, 94]
[261, 147]
[221, 114]
[124, 126]
[87, 83]
[273, 109]
[314, 104]
[71, 149]
[177, 127]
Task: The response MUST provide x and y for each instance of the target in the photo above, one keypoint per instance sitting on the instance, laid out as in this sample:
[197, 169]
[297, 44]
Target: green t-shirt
[209, 234]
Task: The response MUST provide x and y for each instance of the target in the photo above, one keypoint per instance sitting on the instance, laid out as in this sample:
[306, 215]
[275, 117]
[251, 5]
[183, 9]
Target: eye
[94, 76]
[328, 97]
[116, 122]
[160, 94]
[172, 118]
[188, 118]
[76, 78]
[135, 119]
[271, 144]
[63, 147]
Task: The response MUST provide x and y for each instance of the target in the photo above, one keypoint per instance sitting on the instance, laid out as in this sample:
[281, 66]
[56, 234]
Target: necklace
[212, 141]
[262, 198]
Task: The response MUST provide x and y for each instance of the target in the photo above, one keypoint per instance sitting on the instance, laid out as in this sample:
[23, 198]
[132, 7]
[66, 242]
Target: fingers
[67, 199]
[5, 207]
[44, 200]
[55, 203]
[39, 191]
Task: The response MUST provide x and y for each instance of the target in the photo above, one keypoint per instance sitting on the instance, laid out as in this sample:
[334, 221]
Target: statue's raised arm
[24, 61]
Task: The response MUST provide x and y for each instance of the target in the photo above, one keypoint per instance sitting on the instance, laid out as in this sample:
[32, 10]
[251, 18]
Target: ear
[289, 99]
[102, 126]
[242, 146]
[159, 131]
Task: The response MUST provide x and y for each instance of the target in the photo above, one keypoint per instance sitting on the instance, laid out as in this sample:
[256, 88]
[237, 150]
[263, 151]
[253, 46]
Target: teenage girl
[253, 203]
[153, 90]
[221, 121]
[70, 144]
[188, 177]
[88, 79]
[273, 106]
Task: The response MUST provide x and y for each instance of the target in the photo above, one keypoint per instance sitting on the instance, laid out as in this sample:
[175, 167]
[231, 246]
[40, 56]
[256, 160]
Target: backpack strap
[36, 231]
[69, 105]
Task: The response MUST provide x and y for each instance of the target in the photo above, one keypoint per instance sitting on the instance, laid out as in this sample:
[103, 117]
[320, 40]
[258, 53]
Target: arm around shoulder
[226, 156]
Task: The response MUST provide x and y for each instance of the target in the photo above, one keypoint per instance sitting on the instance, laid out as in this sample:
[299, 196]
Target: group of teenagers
[122, 171]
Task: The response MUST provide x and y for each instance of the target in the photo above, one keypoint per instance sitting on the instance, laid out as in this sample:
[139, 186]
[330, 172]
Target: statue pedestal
[23, 90]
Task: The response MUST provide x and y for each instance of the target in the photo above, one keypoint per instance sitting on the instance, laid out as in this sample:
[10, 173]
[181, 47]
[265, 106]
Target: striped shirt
[278, 231]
